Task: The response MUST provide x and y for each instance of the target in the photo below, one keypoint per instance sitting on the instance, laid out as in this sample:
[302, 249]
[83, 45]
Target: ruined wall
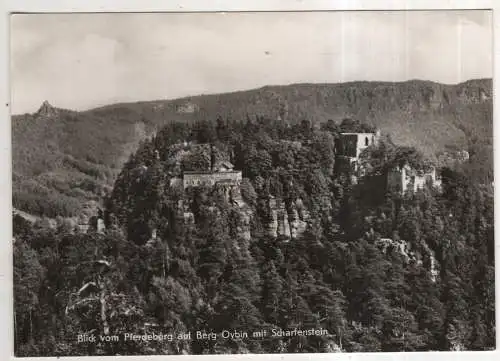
[419, 182]
[352, 144]
[345, 165]
[407, 179]
[244, 224]
[195, 179]
[395, 180]
[347, 145]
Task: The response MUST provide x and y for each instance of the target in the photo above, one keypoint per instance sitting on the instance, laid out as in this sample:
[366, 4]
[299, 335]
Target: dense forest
[63, 158]
[378, 270]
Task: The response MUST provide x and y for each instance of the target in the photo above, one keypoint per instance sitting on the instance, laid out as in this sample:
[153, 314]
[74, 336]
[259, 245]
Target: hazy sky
[80, 61]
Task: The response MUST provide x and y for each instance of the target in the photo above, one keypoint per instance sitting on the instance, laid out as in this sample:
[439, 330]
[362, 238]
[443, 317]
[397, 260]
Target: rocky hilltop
[46, 110]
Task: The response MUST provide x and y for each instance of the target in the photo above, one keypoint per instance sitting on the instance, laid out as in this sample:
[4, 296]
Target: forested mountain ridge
[176, 259]
[62, 158]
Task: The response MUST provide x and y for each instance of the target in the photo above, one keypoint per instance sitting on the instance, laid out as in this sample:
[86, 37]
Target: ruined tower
[349, 147]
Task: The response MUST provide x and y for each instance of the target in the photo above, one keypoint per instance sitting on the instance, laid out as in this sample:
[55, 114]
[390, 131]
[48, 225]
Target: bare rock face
[272, 227]
[298, 217]
[184, 210]
[283, 223]
[433, 265]
[403, 248]
[279, 225]
[400, 246]
[100, 225]
[473, 93]
[243, 228]
[288, 221]
[187, 108]
[293, 220]
[297, 228]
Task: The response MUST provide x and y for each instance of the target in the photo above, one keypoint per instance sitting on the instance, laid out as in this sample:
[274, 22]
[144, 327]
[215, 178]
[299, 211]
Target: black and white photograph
[287, 182]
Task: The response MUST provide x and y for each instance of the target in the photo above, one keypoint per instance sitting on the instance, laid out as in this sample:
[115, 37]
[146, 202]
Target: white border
[8, 6]
[238, 5]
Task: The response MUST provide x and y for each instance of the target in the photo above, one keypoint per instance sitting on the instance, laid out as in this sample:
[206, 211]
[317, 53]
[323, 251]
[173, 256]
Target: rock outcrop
[427, 258]
[243, 229]
[46, 110]
[286, 221]
[433, 264]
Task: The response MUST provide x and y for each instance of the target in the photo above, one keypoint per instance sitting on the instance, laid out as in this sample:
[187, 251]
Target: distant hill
[62, 158]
